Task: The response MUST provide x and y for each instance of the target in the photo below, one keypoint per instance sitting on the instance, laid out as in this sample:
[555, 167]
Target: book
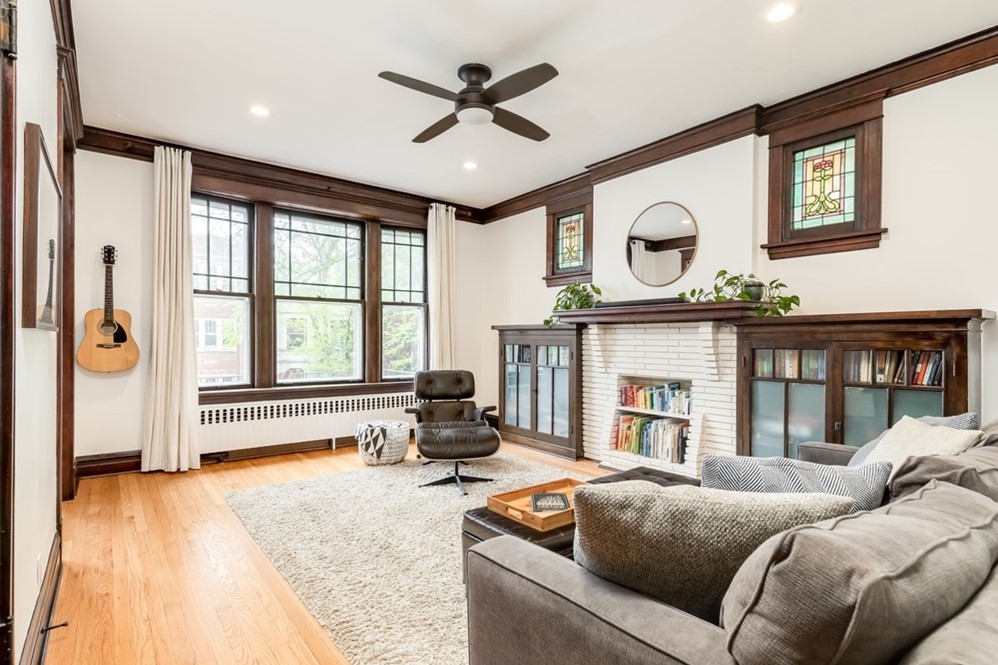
[549, 501]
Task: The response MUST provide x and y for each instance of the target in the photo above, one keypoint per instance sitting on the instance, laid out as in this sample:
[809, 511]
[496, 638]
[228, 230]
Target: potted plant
[574, 296]
[729, 286]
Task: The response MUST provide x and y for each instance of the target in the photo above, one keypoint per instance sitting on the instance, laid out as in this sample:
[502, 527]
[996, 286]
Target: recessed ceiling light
[259, 110]
[685, 221]
[781, 12]
[470, 166]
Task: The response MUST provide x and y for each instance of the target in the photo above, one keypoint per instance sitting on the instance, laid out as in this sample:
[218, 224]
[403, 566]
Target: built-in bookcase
[652, 419]
[847, 378]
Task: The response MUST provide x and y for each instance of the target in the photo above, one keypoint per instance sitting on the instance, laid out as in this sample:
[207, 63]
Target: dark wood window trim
[265, 199]
[581, 202]
[863, 122]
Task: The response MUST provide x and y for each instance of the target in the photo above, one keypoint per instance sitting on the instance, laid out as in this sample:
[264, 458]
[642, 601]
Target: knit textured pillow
[969, 420]
[682, 544]
[911, 438]
[863, 484]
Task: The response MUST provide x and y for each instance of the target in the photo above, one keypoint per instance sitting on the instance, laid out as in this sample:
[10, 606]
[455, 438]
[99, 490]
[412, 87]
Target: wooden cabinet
[845, 378]
[540, 376]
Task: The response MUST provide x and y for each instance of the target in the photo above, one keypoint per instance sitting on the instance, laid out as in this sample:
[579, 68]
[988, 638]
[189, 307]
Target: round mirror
[661, 243]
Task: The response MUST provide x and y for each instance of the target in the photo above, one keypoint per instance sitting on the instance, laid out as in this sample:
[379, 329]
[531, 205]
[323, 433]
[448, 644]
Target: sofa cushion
[976, 469]
[969, 420]
[682, 544]
[969, 638]
[911, 438]
[865, 587]
[863, 484]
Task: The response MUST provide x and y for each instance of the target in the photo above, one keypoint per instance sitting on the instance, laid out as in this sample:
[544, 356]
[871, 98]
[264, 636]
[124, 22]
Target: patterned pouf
[383, 441]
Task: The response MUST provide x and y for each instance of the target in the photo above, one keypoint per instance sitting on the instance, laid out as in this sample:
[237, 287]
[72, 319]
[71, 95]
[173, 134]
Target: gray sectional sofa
[913, 582]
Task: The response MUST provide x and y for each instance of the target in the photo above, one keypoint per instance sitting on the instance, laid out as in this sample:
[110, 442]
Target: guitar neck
[108, 294]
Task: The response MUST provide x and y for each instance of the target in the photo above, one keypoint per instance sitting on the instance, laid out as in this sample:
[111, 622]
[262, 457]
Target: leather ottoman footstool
[481, 524]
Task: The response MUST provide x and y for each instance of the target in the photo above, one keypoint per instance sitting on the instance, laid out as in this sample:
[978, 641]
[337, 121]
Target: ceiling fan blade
[420, 86]
[437, 128]
[519, 83]
[519, 125]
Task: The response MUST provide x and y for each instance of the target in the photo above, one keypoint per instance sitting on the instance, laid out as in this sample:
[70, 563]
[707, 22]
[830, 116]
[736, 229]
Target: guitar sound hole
[108, 328]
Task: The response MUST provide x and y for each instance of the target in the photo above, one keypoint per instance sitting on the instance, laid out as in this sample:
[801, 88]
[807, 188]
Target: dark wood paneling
[90, 466]
[937, 64]
[372, 304]
[8, 174]
[264, 348]
[33, 651]
[66, 416]
[226, 175]
[108, 464]
[538, 198]
[240, 396]
[692, 311]
[715, 132]
[664, 245]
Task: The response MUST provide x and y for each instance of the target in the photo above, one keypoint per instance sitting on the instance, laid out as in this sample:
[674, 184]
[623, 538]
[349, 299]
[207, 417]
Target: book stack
[889, 367]
[928, 369]
[657, 438]
[667, 397]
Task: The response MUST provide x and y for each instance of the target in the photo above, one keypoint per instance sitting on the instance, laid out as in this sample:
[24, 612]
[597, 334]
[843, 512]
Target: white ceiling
[631, 72]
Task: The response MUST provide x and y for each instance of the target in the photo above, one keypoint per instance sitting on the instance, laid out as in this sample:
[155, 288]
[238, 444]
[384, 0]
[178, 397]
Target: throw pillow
[862, 588]
[969, 420]
[911, 438]
[682, 544]
[863, 484]
[976, 469]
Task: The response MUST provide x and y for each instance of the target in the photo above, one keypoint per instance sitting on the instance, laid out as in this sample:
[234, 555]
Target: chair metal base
[456, 477]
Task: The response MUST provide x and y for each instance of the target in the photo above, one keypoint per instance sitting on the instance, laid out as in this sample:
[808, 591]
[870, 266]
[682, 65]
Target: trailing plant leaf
[574, 296]
[748, 288]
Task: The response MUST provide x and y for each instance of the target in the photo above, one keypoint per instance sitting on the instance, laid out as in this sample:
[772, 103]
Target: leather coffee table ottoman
[481, 524]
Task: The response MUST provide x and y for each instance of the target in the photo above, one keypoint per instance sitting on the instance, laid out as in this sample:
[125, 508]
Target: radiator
[238, 426]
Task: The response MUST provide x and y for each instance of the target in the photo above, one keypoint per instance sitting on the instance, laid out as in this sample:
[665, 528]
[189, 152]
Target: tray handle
[514, 513]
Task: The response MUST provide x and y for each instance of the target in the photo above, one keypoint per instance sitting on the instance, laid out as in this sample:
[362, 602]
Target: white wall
[940, 142]
[35, 474]
[716, 185]
[114, 206]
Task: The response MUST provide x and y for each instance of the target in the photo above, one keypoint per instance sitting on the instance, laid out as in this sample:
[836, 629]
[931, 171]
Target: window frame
[425, 305]
[864, 123]
[263, 201]
[578, 203]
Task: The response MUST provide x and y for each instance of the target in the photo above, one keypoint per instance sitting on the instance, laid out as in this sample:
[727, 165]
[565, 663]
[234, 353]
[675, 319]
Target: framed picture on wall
[42, 225]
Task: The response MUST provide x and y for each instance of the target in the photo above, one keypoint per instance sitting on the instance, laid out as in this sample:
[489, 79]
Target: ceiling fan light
[475, 115]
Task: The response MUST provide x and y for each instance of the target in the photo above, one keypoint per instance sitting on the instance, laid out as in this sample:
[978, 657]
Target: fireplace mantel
[666, 313]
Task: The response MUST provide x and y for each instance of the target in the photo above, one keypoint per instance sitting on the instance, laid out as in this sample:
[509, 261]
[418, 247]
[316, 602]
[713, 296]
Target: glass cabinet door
[787, 400]
[518, 385]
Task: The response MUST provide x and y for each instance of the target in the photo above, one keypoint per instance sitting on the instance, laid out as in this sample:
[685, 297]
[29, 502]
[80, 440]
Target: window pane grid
[403, 260]
[317, 257]
[220, 231]
[570, 242]
[823, 188]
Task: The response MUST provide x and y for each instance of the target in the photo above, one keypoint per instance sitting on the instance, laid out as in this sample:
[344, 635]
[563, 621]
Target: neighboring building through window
[221, 255]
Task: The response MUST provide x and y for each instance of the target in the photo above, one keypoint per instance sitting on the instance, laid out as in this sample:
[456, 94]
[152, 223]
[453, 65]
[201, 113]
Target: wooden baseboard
[33, 651]
[88, 466]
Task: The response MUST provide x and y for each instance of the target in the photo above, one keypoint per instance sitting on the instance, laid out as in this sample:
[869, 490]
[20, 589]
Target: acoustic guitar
[108, 345]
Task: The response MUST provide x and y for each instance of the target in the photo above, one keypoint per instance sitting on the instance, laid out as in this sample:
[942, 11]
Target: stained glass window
[824, 185]
[571, 241]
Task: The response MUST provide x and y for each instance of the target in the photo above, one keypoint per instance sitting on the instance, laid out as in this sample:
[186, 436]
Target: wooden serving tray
[515, 504]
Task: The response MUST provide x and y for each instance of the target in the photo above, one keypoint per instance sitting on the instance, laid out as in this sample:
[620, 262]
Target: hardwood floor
[158, 569]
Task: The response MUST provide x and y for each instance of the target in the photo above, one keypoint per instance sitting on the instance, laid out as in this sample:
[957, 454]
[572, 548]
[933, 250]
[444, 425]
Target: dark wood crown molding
[539, 198]
[715, 132]
[69, 76]
[957, 57]
[218, 173]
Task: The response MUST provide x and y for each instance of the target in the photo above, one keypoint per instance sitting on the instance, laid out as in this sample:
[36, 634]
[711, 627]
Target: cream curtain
[441, 228]
[639, 259]
[170, 438]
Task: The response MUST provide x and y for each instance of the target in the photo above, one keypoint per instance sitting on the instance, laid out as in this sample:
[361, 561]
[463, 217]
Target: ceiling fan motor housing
[470, 106]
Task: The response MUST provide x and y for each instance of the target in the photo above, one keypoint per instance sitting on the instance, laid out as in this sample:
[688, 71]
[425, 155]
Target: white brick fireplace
[700, 353]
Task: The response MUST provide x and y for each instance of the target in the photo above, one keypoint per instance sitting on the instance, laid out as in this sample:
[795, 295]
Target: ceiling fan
[475, 104]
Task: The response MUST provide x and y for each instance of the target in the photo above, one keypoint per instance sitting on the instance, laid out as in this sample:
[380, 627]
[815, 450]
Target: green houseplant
[729, 286]
[574, 296]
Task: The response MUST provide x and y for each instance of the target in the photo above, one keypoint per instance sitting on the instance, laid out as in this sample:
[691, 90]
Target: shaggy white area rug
[377, 559]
